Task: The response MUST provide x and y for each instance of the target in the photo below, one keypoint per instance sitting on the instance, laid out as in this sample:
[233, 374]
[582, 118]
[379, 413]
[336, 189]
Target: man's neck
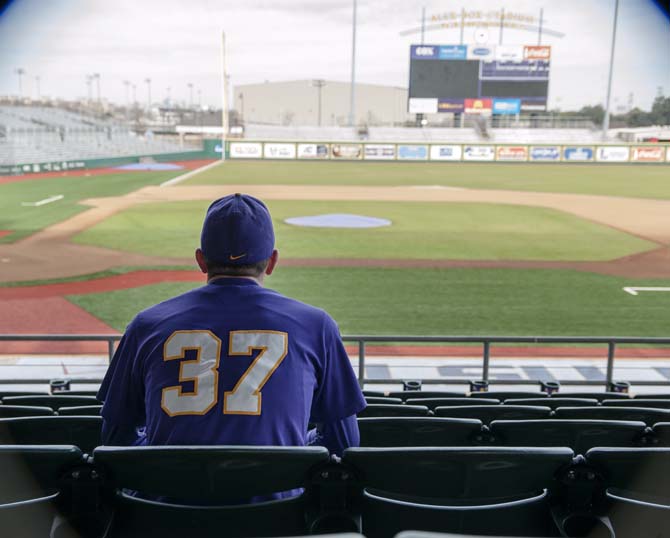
[258, 280]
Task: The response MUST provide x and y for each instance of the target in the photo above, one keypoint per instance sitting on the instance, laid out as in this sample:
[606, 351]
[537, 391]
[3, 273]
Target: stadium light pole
[352, 90]
[20, 72]
[423, 24]
[606, 119]
[37, 87]
[190, 95]
[224, 97]
[319, 84]
[96, 76]
[148, 81]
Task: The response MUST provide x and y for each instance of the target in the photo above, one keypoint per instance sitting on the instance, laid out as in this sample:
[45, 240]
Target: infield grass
[441, 302]
[24, 221]
[631, 180]
[419, 230]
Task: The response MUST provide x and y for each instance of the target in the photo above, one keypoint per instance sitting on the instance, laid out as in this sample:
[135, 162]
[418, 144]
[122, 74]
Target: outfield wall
[371, 151]
[211, 150]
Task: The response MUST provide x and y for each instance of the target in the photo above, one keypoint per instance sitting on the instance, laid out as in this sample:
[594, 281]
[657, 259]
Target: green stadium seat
[82, 410]
[661, 432]
[432, 403]
[478, 490]
[489, 413]
[91, 393]
[9, 411]
[503, 395]
[212, 485]
[382, 400]
[376, 393]
[416, 431]
[419, 394]
[423, 534]
[5, 393]
[638, 492]
[83, 432]
[648, 415]
[32, 518]
[389, 410]
[600, 396]
[638, 402]
[656, 396]
[553, 402]
[579, 435]
[53, 401]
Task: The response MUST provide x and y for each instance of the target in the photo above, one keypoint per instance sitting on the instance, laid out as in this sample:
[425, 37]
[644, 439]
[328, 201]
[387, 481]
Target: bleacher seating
[489, 413]
[503, 395]
[9, 411]
[553, 402]
[82, 410]
[53, 401]
[382, 400]
[81, 431]
[648, 415]
[432, 403]
[413, 431]
[389, 410]
[639, 402]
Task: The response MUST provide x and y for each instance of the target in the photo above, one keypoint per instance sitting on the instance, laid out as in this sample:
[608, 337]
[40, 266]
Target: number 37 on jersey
[245, 398]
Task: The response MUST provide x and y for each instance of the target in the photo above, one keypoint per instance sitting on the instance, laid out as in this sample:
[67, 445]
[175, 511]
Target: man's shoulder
[298, 308]
[155, 315]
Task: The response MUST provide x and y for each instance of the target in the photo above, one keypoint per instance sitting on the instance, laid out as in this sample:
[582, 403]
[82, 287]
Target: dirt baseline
[51, 250]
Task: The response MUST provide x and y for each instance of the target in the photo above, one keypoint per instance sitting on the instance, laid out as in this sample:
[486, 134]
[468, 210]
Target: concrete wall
[297, 103]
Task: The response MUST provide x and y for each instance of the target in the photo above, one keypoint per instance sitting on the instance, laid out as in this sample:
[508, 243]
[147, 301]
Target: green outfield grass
[642, 181]
[455, 301]
[24, 221]
[420, 230]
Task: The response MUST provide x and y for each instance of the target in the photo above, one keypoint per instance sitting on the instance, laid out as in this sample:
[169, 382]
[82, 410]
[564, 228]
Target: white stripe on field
[43, 202]
[187, 175]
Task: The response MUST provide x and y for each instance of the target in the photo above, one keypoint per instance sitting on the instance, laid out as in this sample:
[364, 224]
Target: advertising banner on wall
[511, 153]
[346, 151]
[445, 153]
[379, 151]
[479, 153]
[478, 106]
[276, 150]
[412, 152]
[537, 52]
[648, 154]
[509, 53]
[506, 106]
[438, 52]
[613, 154]
[481, 52]
[312, 151]
[577, 153]
[545, 153]
[246, 150]
[667, 154]
[527, 70]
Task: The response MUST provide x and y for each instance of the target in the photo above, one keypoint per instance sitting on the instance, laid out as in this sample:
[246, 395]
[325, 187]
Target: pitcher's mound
[338, 220]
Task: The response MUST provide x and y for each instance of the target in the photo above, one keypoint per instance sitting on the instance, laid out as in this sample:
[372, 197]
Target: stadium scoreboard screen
[478, 79]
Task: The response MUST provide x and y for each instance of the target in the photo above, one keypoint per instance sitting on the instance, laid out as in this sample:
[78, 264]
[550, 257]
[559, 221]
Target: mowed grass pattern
[630, 180]
[454, 301]
[419, 230]
[26, 220]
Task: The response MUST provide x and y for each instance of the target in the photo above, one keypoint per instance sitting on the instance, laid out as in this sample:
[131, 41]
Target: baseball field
[471, 248]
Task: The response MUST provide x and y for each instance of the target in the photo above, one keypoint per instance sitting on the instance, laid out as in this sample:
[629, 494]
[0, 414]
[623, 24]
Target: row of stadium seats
[204, 491]
[579, 435]
[510, 394]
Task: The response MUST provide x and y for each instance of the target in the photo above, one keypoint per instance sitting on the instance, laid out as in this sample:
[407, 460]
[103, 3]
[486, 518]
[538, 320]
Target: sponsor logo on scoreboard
[346, 151]
[478, 106]
[512, 153]
[648, 154]
[533, 105]
[445, 153]
[312, 151]
[578, 153]
[509, 53]
[475, 52]
[246, 150]
[479, 153]
[506, 106]
[413, 153]
[536, 52]
[453, 52]
[545, 153]
[379, 151]
[424, 52]
[451, 105]
[615, 154]
[422, 105]
[439, 52]
[279, 151]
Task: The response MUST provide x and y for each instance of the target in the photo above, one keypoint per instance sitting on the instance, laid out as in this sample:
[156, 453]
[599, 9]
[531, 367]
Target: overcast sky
[177, 42]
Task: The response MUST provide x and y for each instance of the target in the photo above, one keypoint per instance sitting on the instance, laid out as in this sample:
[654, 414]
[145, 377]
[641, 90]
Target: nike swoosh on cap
[233, 258]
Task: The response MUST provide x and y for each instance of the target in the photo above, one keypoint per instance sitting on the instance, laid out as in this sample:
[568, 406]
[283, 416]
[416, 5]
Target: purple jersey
[230, 363]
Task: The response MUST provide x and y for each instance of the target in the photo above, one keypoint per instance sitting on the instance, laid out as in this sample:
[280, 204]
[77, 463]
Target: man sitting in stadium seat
[232, 362]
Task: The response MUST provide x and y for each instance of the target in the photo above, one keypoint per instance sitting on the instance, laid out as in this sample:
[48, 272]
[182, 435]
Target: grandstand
[33, 134]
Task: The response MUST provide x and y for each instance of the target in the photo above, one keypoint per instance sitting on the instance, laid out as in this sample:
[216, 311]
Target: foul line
[635, 291]
[43, 202]
[187, 175]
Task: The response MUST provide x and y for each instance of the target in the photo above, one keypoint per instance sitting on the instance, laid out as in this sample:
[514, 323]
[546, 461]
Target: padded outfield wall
[384, 151]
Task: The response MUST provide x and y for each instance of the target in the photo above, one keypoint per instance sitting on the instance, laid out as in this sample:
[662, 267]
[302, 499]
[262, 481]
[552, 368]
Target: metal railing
[611, 343]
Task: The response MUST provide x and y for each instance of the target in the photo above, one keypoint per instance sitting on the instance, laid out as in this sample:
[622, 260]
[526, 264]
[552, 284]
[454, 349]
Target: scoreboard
[478, 79]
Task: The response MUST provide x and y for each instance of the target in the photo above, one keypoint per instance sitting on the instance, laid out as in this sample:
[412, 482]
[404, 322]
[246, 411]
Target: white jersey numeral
[246, 397]
[203, 372]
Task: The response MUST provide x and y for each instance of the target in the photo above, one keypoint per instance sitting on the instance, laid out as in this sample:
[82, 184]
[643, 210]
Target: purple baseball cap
[237, 231]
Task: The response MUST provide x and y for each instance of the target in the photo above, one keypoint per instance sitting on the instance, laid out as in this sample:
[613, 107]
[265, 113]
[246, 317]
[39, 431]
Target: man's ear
[200, 258]
[273, 262]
